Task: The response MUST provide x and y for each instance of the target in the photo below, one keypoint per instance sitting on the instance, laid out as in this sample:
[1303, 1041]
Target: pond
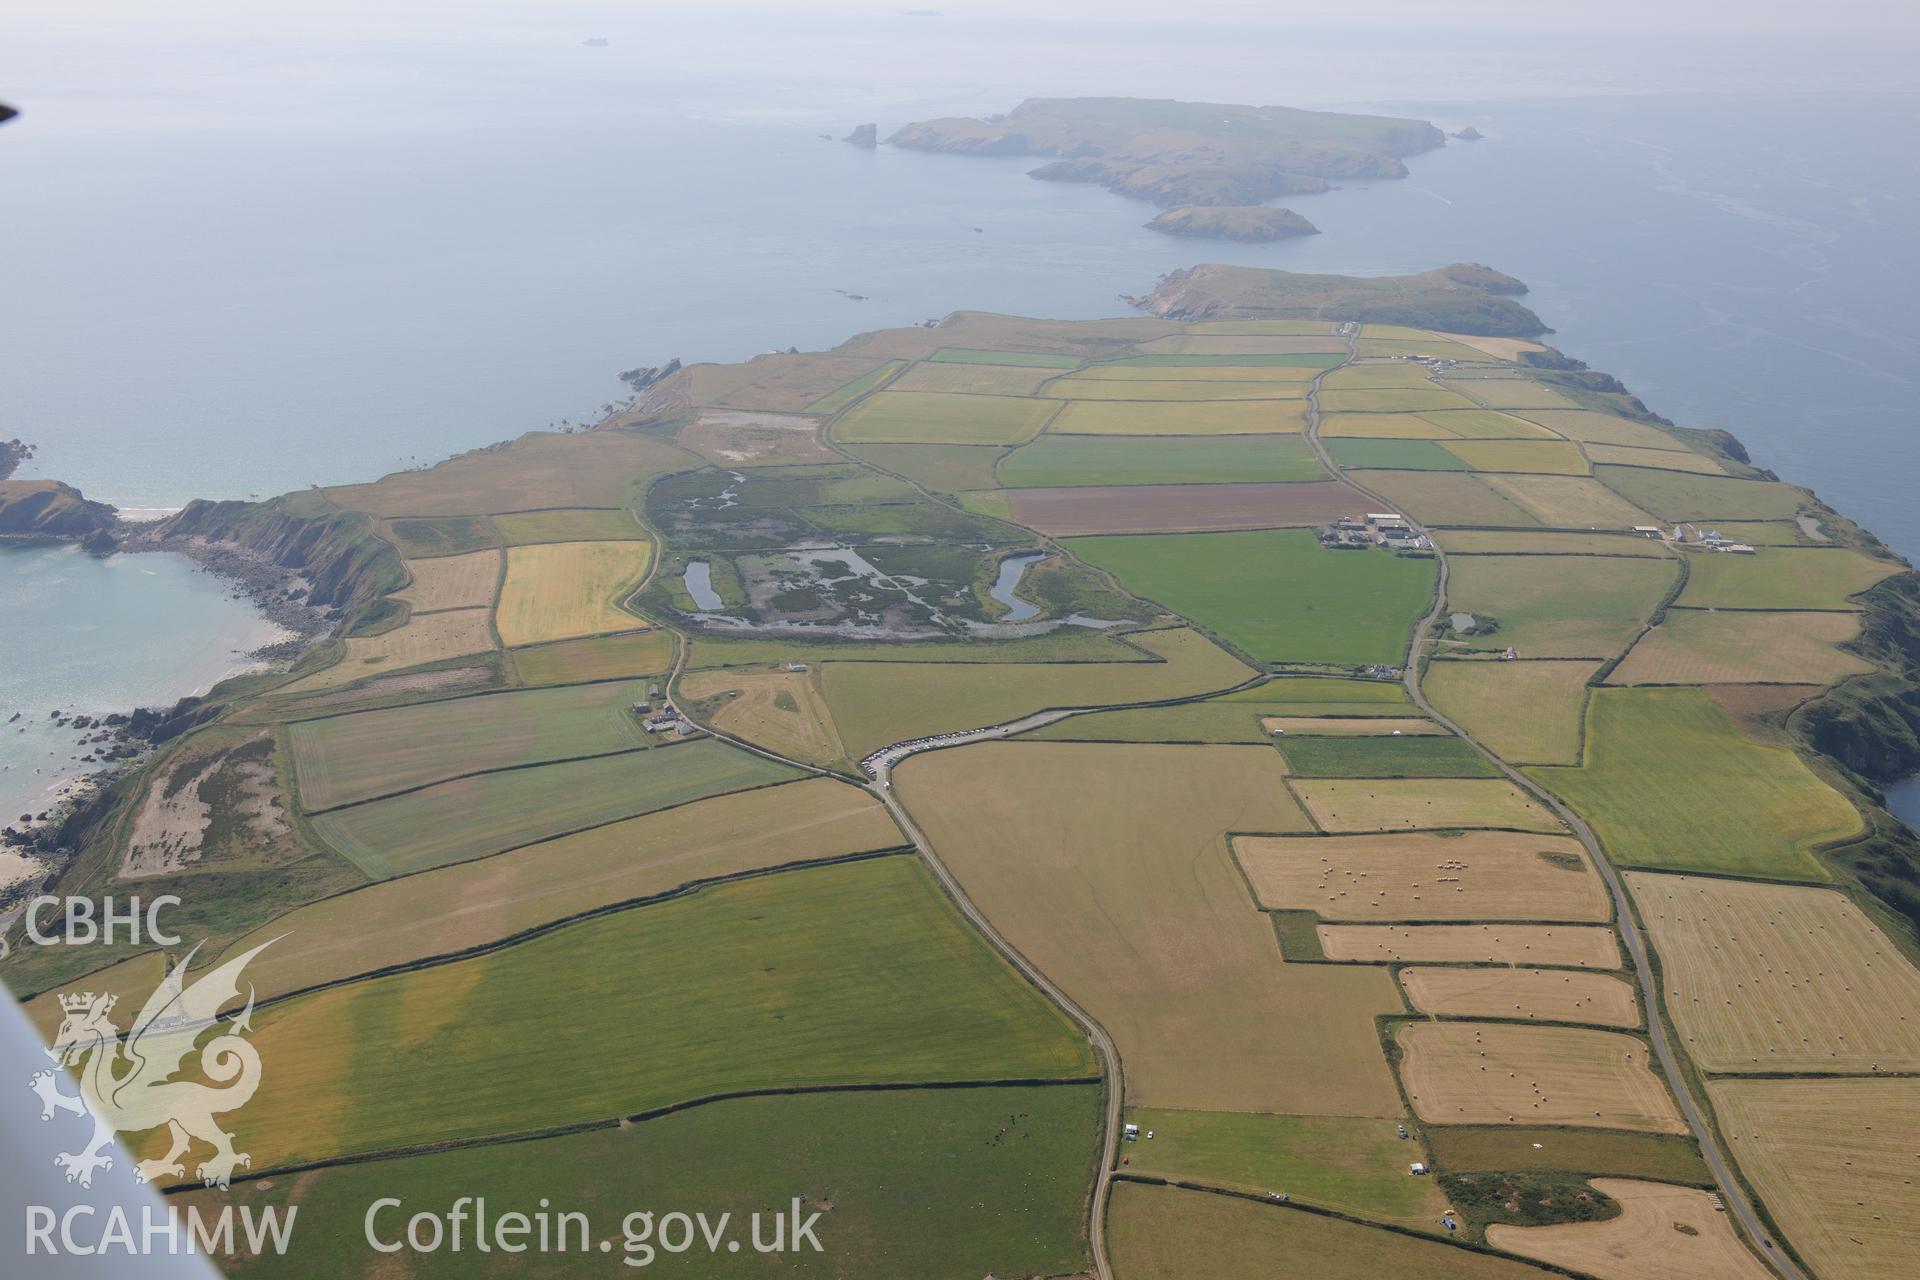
[699, 580]
[1012, 569]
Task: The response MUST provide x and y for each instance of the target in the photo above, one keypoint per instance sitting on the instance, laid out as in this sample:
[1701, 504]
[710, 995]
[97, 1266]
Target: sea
[250, 249]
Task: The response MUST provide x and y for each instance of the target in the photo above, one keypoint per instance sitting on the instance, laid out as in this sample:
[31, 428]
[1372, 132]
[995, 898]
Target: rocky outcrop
[1468, 134]
[1462, 298]
[640, 379]
[864, 136]
[47, 509]
[1253, 224]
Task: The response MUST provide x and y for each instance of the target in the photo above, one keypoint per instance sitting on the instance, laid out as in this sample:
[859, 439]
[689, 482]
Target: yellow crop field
[428, 637]
[464, 581]
[1666, 459]
[1376, 375]
[1107, 865]
[1411, 804]
[1510, 393]
[1162, 418]
[1696, 646]
[779, 710]
[1501, 1073]
[1663, 1232]
[1350, 726]
[1833, 1162]
[560, 590]
[1551, 457]
[1179, 389]
[1487, 424]
[1476, 875]
[1549, 995]
[1781, 978]
[1576, 946]
[975, 379]
[1193, 373]
[1570, 502]
[1525, 712]
[1392, 400]
[1380, 426]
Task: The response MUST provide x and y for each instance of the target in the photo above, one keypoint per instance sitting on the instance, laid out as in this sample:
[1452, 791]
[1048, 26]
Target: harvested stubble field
[1412, 804]
[908, 417]
[1525, 712]
[1171, 1233]
[561, 590]
[1591, 427]
[1560, 606]
[1173, 508]
[541, 469]
[1509, 393]
[876, 703]
[451, 909]
[1107, 866]
[1670, 782]
[1782, 578]
[1672, 459]
[341, 759]
[1396, 455]
[1476, 875]
[1380, 426]
[640, 653]
[779, 710]
[1833, 1160]
[748, 985]
[1572, 946]
[1296, 369]
[1353, 726]
[429, 637]
[1277, 595]
[1446, 497]
[1546, 995]
[1494, 1073]
[464, 581]
[1662, 1233]
[1515, 1148]
[1486, 424]
[1550, 457]
[473, 817]
[1569, 502]
[1164, 418]
[1184, 390]
[1694, 646]
[1391, 400]
[1352, 1164]
[974, 379]
[1779, 978]
[1347, 755]
[602, 524]
[1056, 460]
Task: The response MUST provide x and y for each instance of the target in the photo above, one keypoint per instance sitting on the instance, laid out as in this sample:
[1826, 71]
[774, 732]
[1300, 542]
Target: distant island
[12, 454]
[1463, 298]
[1177, 154]
[1252, 223]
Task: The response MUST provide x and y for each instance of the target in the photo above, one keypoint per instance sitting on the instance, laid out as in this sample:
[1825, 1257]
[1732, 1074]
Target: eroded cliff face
[338, 554]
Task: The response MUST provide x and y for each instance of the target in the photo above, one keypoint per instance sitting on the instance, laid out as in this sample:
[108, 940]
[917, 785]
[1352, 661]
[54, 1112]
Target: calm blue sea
[250, 250]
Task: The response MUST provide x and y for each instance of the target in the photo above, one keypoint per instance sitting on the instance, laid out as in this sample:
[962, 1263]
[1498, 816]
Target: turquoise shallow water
[92, 636]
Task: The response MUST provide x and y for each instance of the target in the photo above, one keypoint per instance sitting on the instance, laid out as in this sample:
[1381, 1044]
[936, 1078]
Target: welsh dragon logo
[126, 1087]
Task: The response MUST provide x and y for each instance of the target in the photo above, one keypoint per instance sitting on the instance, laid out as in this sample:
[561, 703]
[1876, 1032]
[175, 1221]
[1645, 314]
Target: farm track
[1732, 1192]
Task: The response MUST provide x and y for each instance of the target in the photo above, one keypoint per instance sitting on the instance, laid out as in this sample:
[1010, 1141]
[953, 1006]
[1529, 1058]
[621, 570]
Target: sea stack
[865, 136]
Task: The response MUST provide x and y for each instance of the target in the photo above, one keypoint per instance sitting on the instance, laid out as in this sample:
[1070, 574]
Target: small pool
[699, 580]
[1012, 569]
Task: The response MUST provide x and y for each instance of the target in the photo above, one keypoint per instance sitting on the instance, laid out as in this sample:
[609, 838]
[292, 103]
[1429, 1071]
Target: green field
[1028, 359]
[1276, 594]
[1559, 606]
[1782, 578]
[928, 1183]
[1355, 1165]
[1671, 783]
[1170, 1233]
[442, 536]
[1658, 1157]
[1108, 460]
[926, 417]
[1233, 717]
[345, 758]
[1677, 495]
[1394, 455]
[579, 524]
[474, 817]
[944, 468]
[1525, 712]
[641, 653]
[839, 398]
[751, 985]
[1361, 756]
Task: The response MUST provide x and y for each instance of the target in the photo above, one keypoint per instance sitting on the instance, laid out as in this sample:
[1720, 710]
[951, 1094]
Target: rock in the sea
[1468, 134]
[1253, 223]
[865, 136]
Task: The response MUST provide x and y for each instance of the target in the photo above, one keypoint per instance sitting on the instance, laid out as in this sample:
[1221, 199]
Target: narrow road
[1732, 1193]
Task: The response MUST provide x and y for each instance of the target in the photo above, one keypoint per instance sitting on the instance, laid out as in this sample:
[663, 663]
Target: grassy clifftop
[1463, 298]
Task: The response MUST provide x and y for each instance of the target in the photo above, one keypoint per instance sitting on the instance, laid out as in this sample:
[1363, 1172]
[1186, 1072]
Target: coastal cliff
[339, 558]
[1251, 224]
[1463, 298]
[48, 509]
